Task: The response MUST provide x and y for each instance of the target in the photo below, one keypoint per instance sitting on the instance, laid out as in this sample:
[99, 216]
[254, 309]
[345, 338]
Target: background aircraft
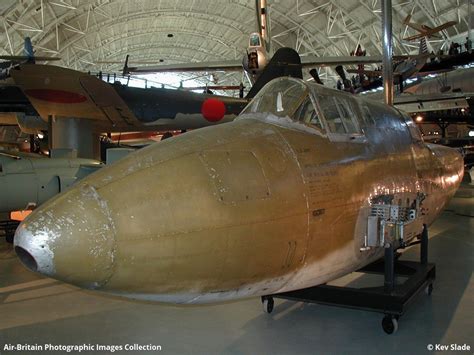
[424, 30]
[115, 107]
[402, 70]
[255, 59]
[28, 180]
[28, 57]
[257, 56]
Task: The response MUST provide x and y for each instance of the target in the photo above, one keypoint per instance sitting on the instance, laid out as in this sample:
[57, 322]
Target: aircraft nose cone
[33, 251]
[71, 238]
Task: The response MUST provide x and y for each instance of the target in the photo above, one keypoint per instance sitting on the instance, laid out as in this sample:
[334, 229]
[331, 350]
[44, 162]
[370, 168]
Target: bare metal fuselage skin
[257, 206]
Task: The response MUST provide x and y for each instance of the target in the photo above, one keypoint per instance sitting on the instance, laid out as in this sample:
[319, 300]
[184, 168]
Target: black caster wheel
[429, 289]
[390, 324]
[267, 303]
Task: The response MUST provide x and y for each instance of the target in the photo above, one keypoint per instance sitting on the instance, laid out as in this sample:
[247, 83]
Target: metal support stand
[387, 51]
[74, 134]
[424, 246]
[391, 299]
[389, 270]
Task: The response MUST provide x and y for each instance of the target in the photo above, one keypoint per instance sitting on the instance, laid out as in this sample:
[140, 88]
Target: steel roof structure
[85, 33]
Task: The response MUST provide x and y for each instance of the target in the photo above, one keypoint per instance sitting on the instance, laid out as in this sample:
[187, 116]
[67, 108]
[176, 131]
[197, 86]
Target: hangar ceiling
[84, 33]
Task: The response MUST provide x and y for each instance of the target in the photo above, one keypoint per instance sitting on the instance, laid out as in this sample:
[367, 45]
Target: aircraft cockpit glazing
[281, 97]
[254, 40]
[339, 115]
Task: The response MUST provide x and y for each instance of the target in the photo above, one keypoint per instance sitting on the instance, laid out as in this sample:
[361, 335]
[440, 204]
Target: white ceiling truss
[86, 32]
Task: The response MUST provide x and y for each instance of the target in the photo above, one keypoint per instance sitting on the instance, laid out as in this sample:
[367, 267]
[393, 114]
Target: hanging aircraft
[402, 70]
[291, 194]
[457, 81]
[457, 87]
[233, 65]
[446, 91]
[258, 52]
[256, 58]
[425, 31]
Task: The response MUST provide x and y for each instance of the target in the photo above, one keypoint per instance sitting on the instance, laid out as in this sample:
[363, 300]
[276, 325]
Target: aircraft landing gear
[268, 303]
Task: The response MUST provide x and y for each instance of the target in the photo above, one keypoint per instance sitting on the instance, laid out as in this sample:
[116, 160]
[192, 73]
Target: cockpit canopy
[286, 97]
[340, 115]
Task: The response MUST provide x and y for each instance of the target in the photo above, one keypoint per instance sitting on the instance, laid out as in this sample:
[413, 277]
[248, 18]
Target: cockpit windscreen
[281, 97]
[254, 40]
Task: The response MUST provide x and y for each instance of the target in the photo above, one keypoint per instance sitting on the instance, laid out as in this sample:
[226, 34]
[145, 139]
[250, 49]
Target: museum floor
[36, 310]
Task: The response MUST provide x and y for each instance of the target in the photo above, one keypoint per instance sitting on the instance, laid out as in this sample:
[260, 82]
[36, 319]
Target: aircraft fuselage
[277, 200]
[65, 93]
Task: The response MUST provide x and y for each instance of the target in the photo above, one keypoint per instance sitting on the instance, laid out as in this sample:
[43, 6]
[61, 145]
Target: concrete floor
[36, 310]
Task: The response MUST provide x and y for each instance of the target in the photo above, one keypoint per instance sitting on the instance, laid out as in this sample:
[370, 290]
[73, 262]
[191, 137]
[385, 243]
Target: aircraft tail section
[285, 62]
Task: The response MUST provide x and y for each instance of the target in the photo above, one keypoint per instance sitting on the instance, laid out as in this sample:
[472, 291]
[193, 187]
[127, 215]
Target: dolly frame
[390, 299]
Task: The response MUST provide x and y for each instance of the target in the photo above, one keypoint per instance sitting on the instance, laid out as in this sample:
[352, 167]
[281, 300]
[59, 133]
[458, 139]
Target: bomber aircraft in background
[277, 200]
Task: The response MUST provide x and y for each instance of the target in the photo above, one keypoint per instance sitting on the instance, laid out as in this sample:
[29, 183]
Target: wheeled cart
[391, 299]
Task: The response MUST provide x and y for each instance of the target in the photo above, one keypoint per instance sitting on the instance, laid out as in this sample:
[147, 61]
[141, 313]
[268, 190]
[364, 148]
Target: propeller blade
[314, 73]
